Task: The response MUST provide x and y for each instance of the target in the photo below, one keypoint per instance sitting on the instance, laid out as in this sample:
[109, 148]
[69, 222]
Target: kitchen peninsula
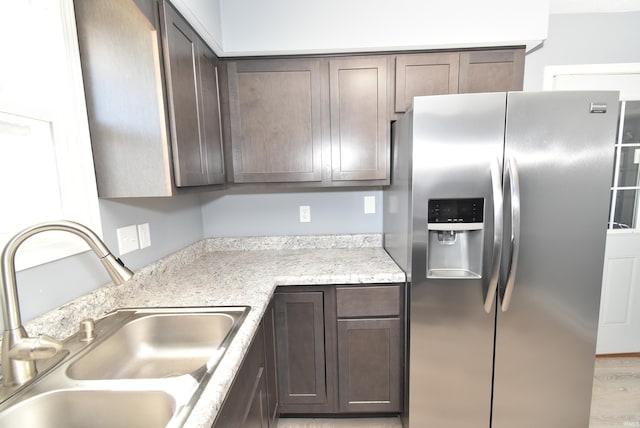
[232, 272]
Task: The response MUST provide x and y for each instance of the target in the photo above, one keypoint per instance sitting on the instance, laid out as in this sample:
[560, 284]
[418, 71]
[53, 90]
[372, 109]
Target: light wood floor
[616, 393]
[616, 401]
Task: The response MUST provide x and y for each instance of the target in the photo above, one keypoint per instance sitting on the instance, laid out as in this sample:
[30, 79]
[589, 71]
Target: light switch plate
[127, 239]
[144, 235]
[305, 214]
[369, 204]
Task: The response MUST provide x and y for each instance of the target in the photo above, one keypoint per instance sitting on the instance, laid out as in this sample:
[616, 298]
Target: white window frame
[39, 48]
[551, 73]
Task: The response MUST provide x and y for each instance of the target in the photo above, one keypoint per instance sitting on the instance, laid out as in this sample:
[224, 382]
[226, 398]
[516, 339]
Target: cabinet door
[126, 110]
[300, 340]
[271, 366]
[276, 126]
[491, 71]
[256, 416]
[210, 115]
[245, 405]
[182, 91]
[425, 74]
[359, 118]
[369, 352]
[194, 107]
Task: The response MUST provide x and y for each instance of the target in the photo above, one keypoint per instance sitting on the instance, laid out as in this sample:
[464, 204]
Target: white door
[619, 326]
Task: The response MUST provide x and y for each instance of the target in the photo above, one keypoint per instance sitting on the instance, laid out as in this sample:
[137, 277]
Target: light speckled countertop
[230, 272]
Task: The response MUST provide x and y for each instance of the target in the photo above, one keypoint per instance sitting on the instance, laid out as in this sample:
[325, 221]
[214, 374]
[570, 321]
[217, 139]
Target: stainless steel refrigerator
[497, 211]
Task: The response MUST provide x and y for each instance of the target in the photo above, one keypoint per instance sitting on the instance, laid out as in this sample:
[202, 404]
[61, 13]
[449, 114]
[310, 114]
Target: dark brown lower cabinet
[246, 403]
[339, 349]
[305, 350]
[370, 348]
[271, 365]
[250, 401]
[321, 350]
[369, 365]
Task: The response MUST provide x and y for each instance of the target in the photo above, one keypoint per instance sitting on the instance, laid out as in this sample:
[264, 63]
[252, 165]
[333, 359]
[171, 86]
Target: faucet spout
[17, 365]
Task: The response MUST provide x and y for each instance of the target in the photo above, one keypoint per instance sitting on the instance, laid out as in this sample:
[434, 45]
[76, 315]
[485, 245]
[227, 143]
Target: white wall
[591, 38]
[294, 26]
[174, 223]
[277, 213]
[205, 17]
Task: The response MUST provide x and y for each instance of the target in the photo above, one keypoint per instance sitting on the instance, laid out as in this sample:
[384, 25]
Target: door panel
[369, 353]
[300, 348]
[620, 306]
[210, 116]
[620, 270]
[425, 74]
[456, 139]
[619, 315]
[545, 341]
[276, 125]
[491, 71]
[188, 150]
[359, 121]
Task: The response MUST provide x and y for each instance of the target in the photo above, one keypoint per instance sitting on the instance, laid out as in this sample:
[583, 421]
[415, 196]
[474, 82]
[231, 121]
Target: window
[624, 208]
[46, 167]
[625, 204]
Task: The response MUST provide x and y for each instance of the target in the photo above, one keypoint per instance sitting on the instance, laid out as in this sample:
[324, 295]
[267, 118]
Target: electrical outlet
[127, 239]
[305, 214]
[144, 234]
[369, 204]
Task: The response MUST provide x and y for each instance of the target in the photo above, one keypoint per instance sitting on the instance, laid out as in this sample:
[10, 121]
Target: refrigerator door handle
[496, 190]
[514, 189]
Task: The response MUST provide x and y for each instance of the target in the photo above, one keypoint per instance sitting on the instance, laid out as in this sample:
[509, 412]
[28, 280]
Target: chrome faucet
[19, 351]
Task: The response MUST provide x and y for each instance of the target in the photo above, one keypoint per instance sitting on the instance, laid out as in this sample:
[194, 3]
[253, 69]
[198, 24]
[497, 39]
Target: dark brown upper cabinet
[152, 99]
[120, 53]
[212, 134]
[359, 118]
[159, 103]
[275, 115]
[325, 121]
[316, 121]
[491, 71]
[425, 74]
[191, 71]
[461, 72]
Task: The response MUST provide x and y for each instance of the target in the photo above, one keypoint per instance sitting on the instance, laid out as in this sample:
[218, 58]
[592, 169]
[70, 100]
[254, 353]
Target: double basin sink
[145, 368]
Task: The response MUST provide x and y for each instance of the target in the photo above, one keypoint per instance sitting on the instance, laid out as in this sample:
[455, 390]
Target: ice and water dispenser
[455, 238]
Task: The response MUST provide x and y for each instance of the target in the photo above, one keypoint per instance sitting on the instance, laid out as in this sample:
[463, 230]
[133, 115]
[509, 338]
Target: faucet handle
[35, 348]
[87, 331]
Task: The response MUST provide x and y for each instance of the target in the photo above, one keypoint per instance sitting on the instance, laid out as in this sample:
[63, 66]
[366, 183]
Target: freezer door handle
[496, 195]
[514, 251]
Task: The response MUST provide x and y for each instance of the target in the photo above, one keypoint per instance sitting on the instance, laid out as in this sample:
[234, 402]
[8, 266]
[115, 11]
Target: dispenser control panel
[469, 210]
[455, 238]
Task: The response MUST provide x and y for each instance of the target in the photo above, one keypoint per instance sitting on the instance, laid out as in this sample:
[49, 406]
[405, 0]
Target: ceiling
[593, 6]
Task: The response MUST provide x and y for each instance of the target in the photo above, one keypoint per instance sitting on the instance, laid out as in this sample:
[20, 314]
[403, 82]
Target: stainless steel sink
[157, 346]
[97, 409]
[145, 368]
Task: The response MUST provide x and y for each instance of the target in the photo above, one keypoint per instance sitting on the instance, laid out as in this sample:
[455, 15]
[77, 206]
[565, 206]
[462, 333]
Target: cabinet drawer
[381, 300]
